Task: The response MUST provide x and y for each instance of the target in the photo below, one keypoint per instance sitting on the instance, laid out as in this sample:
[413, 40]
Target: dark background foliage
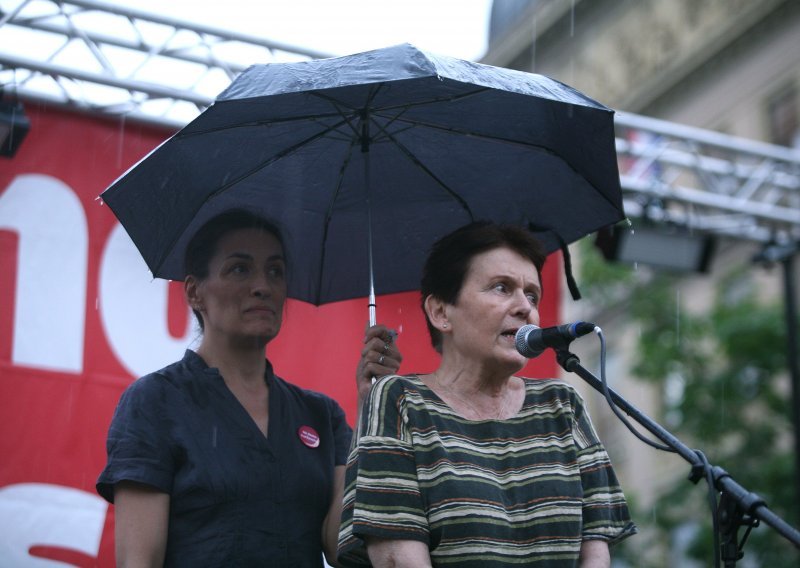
[723, 377]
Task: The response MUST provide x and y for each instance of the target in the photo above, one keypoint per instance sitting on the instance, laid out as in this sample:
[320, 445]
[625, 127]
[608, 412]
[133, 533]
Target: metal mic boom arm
[733, 496]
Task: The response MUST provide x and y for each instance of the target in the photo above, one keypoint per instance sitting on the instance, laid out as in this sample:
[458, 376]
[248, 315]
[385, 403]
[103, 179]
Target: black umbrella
[365, 160]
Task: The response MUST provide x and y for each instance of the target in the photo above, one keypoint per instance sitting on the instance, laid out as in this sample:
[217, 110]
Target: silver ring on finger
[385, 348]
[381, 359]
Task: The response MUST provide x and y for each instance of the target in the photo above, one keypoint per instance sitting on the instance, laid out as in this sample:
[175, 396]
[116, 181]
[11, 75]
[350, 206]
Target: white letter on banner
[50, 304]
[40, 514]
[133, 309]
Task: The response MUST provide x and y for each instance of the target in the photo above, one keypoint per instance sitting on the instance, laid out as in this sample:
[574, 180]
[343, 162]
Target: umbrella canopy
[408, 143]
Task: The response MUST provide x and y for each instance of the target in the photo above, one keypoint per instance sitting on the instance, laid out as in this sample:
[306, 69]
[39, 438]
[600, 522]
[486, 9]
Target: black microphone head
[523, 347]
[582, 328]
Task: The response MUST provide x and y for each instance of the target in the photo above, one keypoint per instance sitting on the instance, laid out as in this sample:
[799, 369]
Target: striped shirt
[527, 490]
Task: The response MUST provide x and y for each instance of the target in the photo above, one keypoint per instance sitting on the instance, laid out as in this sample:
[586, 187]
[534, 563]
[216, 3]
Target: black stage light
[14, 125]
[663, 246]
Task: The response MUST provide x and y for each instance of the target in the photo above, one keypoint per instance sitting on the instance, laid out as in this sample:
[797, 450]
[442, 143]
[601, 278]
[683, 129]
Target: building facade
[732, 66]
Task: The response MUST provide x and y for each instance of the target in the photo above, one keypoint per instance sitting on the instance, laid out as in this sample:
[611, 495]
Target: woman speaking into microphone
[472, 465]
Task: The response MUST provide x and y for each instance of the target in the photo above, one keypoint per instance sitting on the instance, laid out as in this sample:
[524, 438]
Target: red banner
[80, 318]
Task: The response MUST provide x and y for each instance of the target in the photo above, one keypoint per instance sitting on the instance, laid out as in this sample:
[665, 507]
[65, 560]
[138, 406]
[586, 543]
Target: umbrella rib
[338, 112]
[415, 160]
[461, 132]
[278, 156]
[404, 106]
[347, 119]
[382, 129]
[338, 105]
[354, 112]
[328, 217]
[267, 122]
[391, 118]
[225, 187]
[541, 148]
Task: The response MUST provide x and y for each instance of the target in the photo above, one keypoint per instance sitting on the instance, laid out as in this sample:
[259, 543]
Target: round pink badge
[308, 436]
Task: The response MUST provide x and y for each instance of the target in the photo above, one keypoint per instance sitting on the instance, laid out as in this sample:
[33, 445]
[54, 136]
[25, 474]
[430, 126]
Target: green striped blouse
[527, 490]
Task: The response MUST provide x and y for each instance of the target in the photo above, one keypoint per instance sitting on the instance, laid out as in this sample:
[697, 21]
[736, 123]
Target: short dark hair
[450, 257]
[203, 245]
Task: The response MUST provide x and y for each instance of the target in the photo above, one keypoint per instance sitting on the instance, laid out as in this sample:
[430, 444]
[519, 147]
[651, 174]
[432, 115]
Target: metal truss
[119, 61]
[105, 58]
[708, 181]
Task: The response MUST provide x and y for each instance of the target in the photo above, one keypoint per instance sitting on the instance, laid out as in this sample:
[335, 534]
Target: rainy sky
[448, 27]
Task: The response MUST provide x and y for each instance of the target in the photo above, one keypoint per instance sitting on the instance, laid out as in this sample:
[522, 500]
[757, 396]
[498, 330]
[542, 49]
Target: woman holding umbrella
[215, 460]
[472, 465]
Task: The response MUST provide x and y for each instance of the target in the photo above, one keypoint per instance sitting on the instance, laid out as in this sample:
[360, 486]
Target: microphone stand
[737, 506]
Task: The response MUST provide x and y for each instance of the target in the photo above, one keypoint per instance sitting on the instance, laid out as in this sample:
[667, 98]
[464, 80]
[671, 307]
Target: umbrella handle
[373, 316]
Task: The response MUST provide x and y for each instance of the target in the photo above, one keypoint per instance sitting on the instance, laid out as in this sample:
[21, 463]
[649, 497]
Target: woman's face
[242, 298]
[500, 294]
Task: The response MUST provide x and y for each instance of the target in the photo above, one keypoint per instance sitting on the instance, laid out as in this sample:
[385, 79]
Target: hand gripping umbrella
[365, 160]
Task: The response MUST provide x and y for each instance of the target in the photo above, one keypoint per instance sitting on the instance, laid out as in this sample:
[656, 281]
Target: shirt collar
[196, 363]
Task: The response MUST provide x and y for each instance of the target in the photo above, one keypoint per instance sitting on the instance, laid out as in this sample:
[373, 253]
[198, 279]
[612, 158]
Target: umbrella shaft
[373, 317]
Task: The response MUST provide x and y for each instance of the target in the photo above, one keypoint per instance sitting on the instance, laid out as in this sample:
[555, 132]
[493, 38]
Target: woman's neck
[245, 365]
[243, 373]
[475, 396]
[470, 377]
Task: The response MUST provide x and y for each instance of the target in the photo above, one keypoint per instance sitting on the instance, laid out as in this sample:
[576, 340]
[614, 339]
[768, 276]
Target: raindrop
[572, 20]
[400, 328]
[96, 303]
[121, 144]
[674, 389]
[571, 76]
[677, 317]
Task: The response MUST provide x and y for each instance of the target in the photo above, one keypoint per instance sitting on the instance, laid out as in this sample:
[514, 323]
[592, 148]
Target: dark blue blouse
[236, 497]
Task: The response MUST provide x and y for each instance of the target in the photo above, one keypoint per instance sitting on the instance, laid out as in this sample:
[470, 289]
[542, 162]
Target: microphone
[532, 340]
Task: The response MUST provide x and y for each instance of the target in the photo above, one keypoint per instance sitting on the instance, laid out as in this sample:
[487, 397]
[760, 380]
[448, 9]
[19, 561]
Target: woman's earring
[444, 325]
